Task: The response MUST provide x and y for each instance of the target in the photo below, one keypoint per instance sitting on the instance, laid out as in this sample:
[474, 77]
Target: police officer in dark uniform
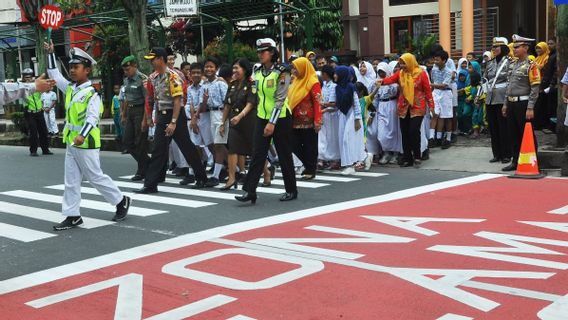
[133, 114]
[165, 95]
[522, 93]
[33, 113]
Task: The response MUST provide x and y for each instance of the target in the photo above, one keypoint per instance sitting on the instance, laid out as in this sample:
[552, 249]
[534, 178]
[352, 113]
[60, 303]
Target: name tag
[270, 83]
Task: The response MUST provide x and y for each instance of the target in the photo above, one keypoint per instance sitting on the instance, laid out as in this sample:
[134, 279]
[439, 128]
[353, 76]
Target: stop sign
[50, 16]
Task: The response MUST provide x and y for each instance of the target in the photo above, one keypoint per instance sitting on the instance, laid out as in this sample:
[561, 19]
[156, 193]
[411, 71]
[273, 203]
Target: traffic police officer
[496, 75]
[165, 93]
[83, 108]
[522, 93]
[33, 113]
[135, 136]
[274, 121]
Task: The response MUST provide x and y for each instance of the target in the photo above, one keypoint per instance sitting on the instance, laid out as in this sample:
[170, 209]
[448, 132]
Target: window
[400, 33]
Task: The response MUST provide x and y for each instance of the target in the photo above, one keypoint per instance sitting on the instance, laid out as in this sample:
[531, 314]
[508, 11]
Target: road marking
[183, 191]
[302, 184]
[22, 234]
[47, 215]
[451, 316]
[89, 204]
[258, 189]
[326, 178]
[359, 174]
[563, 210]
[80, 267]
[146, 198]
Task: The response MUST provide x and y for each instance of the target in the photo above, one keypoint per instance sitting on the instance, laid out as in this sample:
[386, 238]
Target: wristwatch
[174, 120]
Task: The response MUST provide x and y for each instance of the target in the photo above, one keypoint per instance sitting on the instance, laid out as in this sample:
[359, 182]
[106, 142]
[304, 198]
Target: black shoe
[246, 197]
[506, 160]
[223, 175]
[34, 154]
[241, 177]
[494, 160]
[234, 185]
[308, 177]
[406, 164]
[181, 172]
[189, 179]
[272, 170]
[446, 144]
[212, 182]
[200, 184]
[137, 177]
[289, 196]
[172, 166]
[417, 163]
[122, 209]
[47, 153]
[147, 190]
[511, 167]
[69, 223]
[425, 155]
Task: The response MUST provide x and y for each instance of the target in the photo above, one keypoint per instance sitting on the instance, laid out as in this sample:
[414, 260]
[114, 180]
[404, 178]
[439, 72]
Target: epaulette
[153, 75]
[281, 68]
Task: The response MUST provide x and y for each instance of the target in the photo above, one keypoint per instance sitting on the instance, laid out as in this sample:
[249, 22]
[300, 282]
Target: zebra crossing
[43, 206]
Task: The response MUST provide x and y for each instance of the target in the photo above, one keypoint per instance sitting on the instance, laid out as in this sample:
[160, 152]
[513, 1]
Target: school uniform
[48, 100]
[328, 141]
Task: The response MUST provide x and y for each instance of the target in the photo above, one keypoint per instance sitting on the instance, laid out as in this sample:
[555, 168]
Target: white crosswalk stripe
[47, 215]
[146, 198]
[22, 234]
[89, 204]
[171, 194]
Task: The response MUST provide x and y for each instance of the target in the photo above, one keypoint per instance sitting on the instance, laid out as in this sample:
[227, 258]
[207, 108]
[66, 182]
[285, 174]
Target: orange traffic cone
[527, 166]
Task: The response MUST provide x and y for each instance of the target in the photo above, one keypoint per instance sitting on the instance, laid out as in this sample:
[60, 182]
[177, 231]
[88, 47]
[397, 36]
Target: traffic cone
[527, 165]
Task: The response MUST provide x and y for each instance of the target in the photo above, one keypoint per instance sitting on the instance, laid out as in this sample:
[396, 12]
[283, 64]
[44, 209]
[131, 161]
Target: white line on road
[182, 190]
[563, 210]
[359, 174]
[326, 178]
[80, 267]
[147, 198]
[47, 215]
[22, 234]
[89, 204]
[258, 190]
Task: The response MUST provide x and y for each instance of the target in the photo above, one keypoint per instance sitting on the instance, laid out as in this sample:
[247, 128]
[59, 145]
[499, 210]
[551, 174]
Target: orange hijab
[303, 83]
[407, 78]
[542, 60]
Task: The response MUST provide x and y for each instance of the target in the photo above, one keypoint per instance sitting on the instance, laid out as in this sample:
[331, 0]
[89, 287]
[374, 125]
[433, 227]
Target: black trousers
[134, 140]
[282, 135]
[155, 171]
[37, 131]
[541, 112]
[516, 120]
[410, 128]
[500, 144]
[305, 146]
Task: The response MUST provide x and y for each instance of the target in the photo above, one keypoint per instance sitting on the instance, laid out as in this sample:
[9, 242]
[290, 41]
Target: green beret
[128, 60]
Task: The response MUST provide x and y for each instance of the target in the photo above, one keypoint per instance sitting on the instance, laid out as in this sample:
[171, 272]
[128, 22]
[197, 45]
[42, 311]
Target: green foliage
[422, 45]
[218, 48]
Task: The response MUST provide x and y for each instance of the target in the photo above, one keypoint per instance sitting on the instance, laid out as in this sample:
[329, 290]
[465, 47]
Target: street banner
[181, 7]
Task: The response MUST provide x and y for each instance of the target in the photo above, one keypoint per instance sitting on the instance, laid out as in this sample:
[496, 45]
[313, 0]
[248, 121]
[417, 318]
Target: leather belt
[386, 100]
[135, 105]
[517, 99]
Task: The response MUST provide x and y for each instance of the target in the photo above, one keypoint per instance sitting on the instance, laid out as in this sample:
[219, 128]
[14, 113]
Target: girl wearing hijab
[366, 75]
[328, 141]
[496, 75]
[350, 133]
[463, 64]
[464, 111]
[541, 118]
[304, 100]
[388, 125]
[415, 97]
[475, 100]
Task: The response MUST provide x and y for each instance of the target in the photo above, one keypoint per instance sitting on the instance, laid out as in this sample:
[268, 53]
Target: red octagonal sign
[50, 16]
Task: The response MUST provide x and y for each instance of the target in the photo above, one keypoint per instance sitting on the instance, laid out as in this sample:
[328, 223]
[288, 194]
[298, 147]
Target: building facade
[375, 28]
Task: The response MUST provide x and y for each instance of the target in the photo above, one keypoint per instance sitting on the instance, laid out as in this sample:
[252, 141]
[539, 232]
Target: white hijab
[383, 66]
[369, 78]
[392, 65]
[462, 60]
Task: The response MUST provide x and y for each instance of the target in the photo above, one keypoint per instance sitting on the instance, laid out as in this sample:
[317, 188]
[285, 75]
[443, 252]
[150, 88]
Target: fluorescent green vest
[266, 87]
[75, 115]
[33, 102]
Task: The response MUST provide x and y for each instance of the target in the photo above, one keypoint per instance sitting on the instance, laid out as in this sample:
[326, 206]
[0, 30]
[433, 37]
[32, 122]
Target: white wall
[410, 10]
[9, 11]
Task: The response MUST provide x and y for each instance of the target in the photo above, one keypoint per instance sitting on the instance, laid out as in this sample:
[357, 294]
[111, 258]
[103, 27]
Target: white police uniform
[80, 162]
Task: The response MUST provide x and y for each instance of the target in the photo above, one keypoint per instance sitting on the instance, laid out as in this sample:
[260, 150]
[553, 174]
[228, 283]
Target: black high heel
[272, 170]
[246, 197]
[234, 185]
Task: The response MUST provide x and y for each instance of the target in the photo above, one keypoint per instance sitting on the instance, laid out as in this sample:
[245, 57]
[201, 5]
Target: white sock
[191, 173]
[432, 133]
[438, 135]
[217, 170]
[449, 136]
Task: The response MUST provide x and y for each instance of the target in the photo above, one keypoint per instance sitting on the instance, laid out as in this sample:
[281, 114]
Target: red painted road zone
[494, 249]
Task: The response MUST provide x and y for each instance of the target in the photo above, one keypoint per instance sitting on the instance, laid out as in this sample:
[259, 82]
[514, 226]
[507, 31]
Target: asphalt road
[24, 182]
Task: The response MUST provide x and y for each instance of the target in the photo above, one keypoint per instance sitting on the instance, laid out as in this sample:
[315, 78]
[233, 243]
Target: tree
[31, 10]
[138, 30]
